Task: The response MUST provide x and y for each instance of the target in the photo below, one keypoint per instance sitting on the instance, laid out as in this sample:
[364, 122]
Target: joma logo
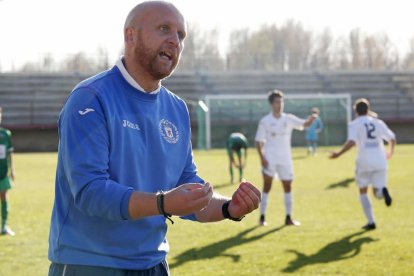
[127, 123]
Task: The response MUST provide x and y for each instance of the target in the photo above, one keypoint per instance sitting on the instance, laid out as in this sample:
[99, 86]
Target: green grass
[329, 242]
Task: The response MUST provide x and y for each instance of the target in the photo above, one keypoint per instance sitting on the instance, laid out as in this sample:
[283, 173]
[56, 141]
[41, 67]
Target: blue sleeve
[84, 149]
[321, 126]
[189, 174]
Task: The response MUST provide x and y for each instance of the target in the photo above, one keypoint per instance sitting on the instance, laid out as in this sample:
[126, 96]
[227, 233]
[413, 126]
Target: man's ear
[129, 35]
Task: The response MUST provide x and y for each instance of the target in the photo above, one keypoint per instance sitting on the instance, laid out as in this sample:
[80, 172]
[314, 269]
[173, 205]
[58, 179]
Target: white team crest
[169, 131]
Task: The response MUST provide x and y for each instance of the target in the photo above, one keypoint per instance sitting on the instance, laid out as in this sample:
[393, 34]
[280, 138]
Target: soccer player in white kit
[273, 143]
[367, 133]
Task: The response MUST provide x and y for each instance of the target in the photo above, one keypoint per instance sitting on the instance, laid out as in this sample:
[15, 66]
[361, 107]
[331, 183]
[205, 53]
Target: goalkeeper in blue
[312, 132]
[237, 144]
[125, 160]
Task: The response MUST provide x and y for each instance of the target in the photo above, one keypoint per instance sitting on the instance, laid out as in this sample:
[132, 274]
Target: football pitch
[329, 242]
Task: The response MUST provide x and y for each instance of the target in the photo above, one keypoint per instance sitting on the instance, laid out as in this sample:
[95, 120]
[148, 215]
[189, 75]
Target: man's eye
[164, 28]
[181, 35]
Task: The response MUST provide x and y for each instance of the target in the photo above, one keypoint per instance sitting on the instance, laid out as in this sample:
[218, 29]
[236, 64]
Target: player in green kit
[235, 143]
[6, 174]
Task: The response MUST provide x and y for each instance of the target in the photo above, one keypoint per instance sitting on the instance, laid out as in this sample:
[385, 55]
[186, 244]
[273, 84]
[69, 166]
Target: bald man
[125, 161]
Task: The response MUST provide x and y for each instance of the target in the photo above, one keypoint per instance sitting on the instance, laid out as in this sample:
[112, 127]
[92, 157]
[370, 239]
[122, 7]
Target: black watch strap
[226, 214]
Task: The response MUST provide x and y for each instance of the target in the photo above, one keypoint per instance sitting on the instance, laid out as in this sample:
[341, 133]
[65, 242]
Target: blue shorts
[72, 270]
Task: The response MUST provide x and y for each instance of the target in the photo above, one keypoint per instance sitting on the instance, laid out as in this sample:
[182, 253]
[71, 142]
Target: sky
[29, 29]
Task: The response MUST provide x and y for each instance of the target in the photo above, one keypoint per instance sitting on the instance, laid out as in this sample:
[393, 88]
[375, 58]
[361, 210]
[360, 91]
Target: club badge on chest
[169, 131]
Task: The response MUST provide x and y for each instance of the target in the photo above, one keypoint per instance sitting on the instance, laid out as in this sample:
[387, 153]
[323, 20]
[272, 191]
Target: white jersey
[368, 134]
[276, 135]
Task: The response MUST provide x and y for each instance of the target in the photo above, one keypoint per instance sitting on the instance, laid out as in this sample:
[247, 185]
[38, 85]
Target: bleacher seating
[35, 100]
[257, 82]
[380, 88]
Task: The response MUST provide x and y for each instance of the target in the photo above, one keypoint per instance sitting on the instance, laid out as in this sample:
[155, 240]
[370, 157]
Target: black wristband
[160, 205]
[226, 214]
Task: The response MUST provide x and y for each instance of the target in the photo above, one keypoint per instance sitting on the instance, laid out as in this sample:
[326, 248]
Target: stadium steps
[261, 83]
[31, 99]
[34, 100]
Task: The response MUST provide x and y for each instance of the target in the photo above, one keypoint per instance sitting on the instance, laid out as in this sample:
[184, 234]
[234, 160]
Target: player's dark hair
[361, 106]
[273, 94]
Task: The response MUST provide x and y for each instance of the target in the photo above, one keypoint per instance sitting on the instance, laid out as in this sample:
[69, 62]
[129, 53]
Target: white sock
[288, 203]
[366, 205]
[379, 194]
[263, 205]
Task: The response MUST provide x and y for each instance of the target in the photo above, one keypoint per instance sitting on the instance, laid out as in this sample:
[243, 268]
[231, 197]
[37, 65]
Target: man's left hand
[244, 200]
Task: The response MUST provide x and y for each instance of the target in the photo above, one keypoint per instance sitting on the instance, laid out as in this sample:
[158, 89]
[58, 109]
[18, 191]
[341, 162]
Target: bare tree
[355, 48]
[30, 67]
[322, 57]
[260, 47]
[340, 55]
[409, 58]
[238, 56]
[48, 63]
[79, 63]
[297, 45]
[284, 47]
[379, 52]
[201, 51]
[102, 62]
[270, 48]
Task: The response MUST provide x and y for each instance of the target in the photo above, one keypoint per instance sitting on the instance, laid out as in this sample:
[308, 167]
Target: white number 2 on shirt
[370, 128]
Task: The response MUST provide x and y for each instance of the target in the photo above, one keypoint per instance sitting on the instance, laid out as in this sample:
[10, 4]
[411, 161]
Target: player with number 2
[368, 132]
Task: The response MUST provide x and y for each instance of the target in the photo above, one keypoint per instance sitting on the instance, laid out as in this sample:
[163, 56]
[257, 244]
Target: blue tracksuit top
[114, 139]
[314, 129]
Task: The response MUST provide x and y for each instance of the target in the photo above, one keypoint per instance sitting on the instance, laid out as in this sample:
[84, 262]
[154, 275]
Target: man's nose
[174, 39]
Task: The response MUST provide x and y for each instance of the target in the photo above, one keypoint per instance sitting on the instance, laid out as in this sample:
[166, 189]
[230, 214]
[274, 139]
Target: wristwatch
[226, 214]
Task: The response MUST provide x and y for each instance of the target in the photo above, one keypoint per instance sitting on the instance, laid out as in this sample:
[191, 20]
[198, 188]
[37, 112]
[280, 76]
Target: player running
[6, 175]
[235, 144]
[367, 133]
[273, 143]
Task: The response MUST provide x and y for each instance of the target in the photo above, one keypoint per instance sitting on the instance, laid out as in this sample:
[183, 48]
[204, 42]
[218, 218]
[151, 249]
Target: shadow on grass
[218, 249]
[334, 251]
[299, 157]
[341, 184]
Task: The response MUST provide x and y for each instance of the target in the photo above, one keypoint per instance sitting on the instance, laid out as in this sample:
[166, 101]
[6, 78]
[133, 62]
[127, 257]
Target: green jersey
[236, 142]
[6, 148]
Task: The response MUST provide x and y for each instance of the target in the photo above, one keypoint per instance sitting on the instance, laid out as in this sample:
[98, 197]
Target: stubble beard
[148, 59]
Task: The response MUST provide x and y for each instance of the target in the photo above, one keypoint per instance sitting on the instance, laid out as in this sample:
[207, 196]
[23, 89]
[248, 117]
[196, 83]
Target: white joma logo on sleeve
[86, 111]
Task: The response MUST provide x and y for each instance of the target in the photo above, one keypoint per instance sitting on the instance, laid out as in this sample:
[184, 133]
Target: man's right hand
[187, 199]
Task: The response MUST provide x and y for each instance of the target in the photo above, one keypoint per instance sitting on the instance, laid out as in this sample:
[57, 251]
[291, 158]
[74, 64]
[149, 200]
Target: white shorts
[377, 179]
[282, 172]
